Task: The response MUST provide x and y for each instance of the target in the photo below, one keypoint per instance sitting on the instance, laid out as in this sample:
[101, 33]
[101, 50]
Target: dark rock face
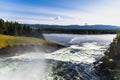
[20, 49]
[72, 71]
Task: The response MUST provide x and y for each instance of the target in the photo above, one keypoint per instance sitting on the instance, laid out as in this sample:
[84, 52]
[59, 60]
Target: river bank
[15, 45]
[109, 69]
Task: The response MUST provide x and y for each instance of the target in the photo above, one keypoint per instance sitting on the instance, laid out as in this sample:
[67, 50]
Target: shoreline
[21, 49]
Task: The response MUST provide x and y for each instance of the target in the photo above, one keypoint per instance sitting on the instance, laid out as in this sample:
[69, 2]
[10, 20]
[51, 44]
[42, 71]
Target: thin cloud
[55, 18]
[106, 13]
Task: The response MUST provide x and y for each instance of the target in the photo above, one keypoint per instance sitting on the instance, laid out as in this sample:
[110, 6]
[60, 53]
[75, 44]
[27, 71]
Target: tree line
[77, 31]
[16, 29]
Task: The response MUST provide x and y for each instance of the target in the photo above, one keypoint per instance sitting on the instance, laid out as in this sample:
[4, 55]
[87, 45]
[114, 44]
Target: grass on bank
[7, 40]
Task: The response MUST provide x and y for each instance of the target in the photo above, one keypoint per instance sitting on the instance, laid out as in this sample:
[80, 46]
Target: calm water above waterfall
[68, 39]
[75, 62]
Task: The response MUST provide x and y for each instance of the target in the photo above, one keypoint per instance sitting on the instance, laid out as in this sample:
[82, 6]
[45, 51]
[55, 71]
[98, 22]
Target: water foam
[88, 53]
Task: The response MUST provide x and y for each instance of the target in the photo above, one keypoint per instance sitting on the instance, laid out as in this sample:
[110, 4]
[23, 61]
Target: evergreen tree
[2, 26]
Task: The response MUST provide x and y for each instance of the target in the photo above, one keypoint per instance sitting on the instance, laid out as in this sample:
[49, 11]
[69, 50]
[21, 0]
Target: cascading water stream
[76, 61]
[79, 59]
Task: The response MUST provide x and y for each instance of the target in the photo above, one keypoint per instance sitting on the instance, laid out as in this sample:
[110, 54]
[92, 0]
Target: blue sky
[61, 12]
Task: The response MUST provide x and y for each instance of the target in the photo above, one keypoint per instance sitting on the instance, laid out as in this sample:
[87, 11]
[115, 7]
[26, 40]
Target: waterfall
[74, 62]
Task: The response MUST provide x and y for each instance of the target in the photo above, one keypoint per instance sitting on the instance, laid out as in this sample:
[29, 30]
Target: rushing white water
[75, 61]
[87, 53]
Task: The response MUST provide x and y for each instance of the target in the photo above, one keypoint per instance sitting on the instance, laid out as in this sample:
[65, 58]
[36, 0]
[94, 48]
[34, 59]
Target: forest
[16, 29]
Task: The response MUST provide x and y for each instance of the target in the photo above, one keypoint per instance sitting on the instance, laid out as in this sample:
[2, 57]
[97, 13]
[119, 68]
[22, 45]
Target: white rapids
[87, 53]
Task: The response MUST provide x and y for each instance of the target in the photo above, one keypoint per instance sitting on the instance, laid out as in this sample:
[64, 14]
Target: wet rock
[72, 71]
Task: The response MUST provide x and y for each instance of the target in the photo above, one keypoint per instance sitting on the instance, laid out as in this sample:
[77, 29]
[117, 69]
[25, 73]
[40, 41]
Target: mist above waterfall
[28, 66]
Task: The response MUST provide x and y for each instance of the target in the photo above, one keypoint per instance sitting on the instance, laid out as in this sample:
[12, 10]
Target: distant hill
[96, 27]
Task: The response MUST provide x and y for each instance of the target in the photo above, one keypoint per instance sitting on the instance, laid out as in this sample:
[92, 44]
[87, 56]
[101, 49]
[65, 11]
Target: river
[74, 62]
